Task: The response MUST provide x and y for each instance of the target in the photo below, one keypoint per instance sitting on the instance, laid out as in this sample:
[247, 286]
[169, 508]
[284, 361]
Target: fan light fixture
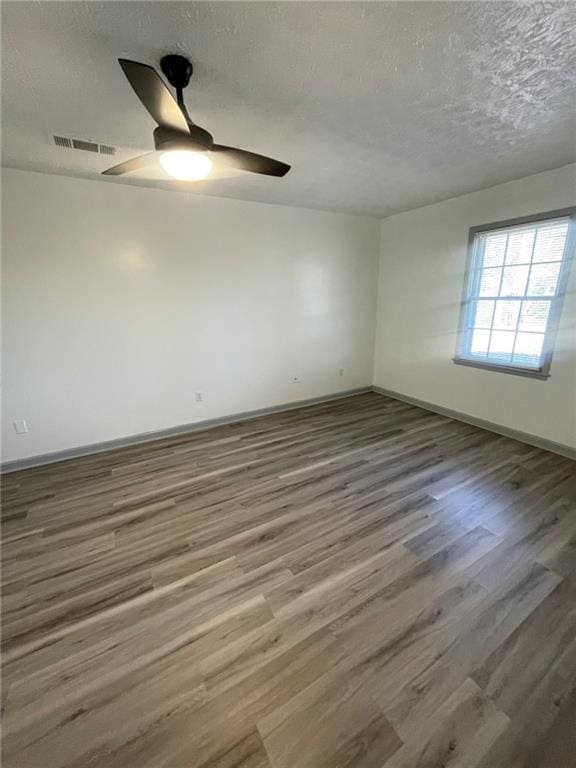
[185, 164]
[186, 150]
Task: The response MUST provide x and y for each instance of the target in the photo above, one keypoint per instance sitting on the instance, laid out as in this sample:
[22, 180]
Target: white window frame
[462, 356]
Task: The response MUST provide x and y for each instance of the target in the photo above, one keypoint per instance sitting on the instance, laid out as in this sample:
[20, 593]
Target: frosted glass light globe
[185, 164]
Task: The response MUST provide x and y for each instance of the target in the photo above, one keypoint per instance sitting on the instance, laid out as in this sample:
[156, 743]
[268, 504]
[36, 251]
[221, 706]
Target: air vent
[62, 141]
[85, 146]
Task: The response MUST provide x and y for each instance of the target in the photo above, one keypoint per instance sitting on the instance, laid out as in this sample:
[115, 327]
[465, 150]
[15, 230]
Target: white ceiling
[379, 107]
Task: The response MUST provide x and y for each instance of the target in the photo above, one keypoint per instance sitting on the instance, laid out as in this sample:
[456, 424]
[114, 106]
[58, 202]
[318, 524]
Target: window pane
[501, 344]
[514, 281]
[543, 279]
[506, 315]
[550, 241]
[480, 341]
[519, 249]
[511, 292]
[494, 249]
[482, 317]
[528, 348]
[534, 316]
[489, 282]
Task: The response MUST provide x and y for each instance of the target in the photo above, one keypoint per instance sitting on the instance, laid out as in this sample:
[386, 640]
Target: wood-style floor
[360, 583]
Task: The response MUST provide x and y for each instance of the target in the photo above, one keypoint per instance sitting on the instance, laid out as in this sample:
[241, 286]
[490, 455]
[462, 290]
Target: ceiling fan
[185, 150]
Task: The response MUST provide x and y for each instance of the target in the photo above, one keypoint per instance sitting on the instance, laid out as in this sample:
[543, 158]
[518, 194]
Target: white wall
[120, 303]
[422, 263]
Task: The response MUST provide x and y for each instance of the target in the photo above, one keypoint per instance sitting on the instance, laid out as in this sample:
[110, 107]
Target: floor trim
[146, 437]
[515, 434]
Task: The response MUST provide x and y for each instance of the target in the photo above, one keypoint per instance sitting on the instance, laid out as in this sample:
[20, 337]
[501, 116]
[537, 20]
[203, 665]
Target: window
[515, 281]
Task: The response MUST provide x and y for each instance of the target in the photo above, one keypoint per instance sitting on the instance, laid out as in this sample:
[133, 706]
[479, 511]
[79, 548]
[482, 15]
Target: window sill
[514, 370]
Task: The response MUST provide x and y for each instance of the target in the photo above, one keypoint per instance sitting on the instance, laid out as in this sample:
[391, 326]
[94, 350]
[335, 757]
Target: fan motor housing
[167, 138]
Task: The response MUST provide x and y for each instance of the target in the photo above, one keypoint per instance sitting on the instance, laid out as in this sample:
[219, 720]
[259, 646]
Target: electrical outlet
[20, 426]
[199, 397]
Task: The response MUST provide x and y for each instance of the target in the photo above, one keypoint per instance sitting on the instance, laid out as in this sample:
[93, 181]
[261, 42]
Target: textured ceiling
[379, 107]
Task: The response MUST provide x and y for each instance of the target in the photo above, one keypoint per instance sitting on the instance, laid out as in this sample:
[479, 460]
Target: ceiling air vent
[62, 141]
[85, 146]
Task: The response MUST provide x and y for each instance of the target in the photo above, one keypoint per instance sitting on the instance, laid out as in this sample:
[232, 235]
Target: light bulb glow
[185, 164]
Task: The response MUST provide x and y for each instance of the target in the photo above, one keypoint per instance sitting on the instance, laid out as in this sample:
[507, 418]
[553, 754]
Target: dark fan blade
[136, 164]
[248, 161]
[154, 94]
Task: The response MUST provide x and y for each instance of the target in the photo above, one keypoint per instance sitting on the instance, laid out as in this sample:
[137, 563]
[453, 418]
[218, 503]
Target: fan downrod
[177, 69]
